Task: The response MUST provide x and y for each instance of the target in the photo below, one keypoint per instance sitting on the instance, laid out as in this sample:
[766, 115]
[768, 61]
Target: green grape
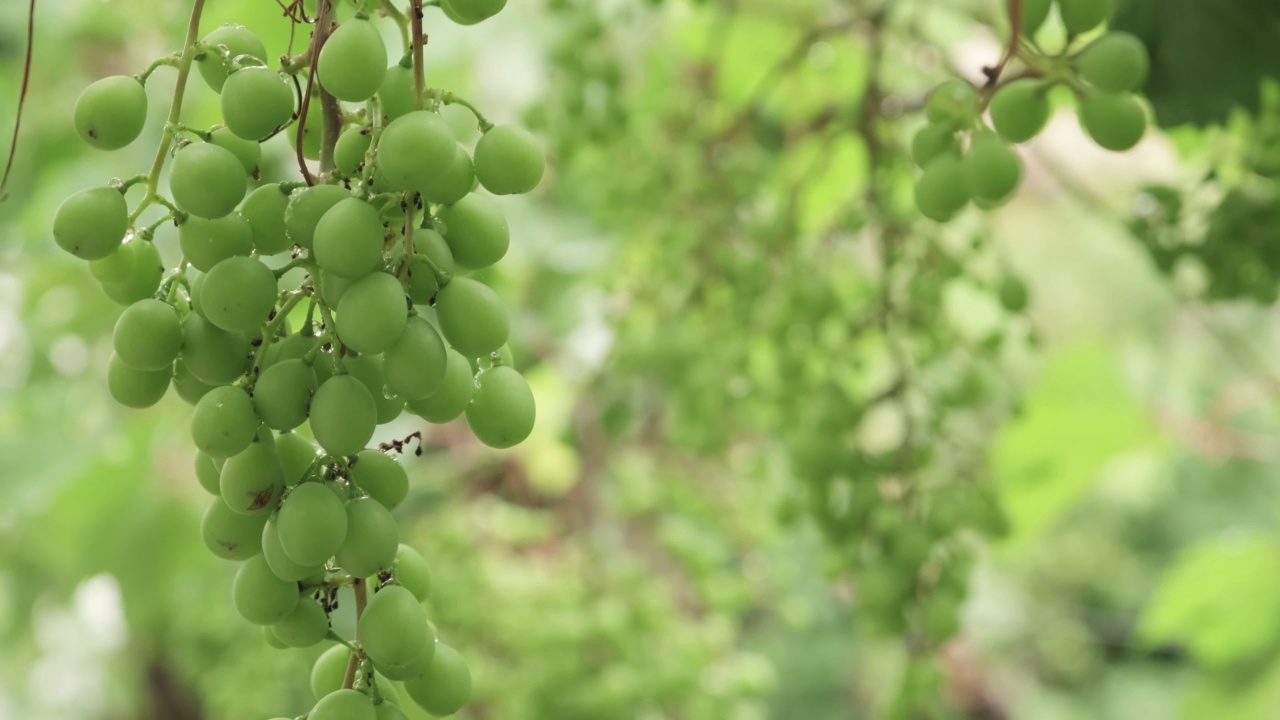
[368, 370]
[305, 626]
[502, 411]
[329, 670]
[148, 335]
[380, 476]
[454, 394]
[1116, 62]
[282, 394]
[333, 287]
[476, 231]
[343, 415]
[259, 596]
[312, 136]
[348, 154]
[372, 313]
[190, 388]
[207, 472]
[239, 294]
[111, 112]
[206, 180]
[353, 61]
[414, 365]
[255, 102]
[421, 663]
[372, 538]
[931, 141]
[447, 685]
[471, 317]
[252, 480]
[136, 388]
[941, 191]
[954, 101]
[992, 169]
[387, 711]
[431, 249]
[411, 571]
[305, 209]
[1081, 16]
[343, 705]
[279, 561]
[239, 40]
[248, 151]
[505, 357]
[393, 628]
[414, 149]
[275, 642]
[348, 240]
[91, 223]
[454, 183]
[1034, 13]
[230, 535]
[265, 209]
[114, 268]
[296, 456]
[145, 271]
[224, 423]
[1013, 294]
[1020, 110]
[312, 523]
[213, 355]
[1115, 122]
[396, 92]
[206, 243]
[509, 160]
[470, 12]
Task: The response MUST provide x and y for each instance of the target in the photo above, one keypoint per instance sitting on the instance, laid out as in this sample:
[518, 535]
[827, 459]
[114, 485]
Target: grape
[343, 705]
[116, 267]
[954, 101]
[470, 12]
[311, 131]
[414, 149]
[941, 191]
[343, 415]
[992, 169]
[282, 394]
[349, 239]
[1081, 16]
[110, 113]
[290, 347]
[454, 395]
[332, 288]
[387, 711]
[213, 355]
[248, 151]
[1013, 294]
[396, 92]
[931, 141]
[91, 223]
[393, 628]
[296, 456]
[145, 271]
[421, 281]
[353, 61]
[307, 625]
[420, 664]
[1115, 122]
[312, 524]
[256, 101]
[509, 160]
[224, 423]
[372, 313]
[368, 370]
[1020, 110]
[380, 476]
[206, 180]
[307, 207]
[502, 411]
[264, 210]
[239, 39]
[412, 571]
[476, 231]
[1034, 13]
[136, 388]
[206, 243]
[275, 642]
[348, 154]
[259, 596]
[329, 670]
[414, 365]
[372, 538]
[454, 183]
[148, 335]
[279, 561]
[1115, 62]
[447, 685]
[471, 317]
[252, 481]
[207, 472]
[229, 535]
[239, 294]
[190, 388]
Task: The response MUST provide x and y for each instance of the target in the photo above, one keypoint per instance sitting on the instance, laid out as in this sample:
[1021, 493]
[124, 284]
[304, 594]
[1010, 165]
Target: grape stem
[362, 599]
[166, 61]
[1015, 37]
[402, 22]
[449, 98]
[22, 99]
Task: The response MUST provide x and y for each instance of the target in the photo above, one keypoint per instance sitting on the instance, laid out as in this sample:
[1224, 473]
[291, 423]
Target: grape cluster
[964, 159]
[305, 314]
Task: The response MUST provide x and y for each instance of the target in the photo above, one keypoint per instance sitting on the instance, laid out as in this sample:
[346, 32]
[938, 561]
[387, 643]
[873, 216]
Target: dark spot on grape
[93, 133]
[262, 499]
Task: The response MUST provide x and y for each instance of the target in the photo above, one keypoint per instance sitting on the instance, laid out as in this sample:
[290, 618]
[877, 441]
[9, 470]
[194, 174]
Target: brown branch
[419, 40]
[22, 99]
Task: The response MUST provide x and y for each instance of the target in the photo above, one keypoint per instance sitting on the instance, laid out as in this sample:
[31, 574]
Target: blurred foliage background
[733, 321]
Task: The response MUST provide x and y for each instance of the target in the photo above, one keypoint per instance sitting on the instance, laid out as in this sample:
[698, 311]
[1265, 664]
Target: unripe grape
[414, 149]
[954, 101]
[207, 472]
[259, 596]
[283, 566]
[264, 210]
[372, 313]
[509, 160]
[454, 394]
[393, 628]
[190, 388]
[381, 476]
[348, 154]
[252, 481]
[136, 388]
[471, 317]
[502, 411]
[447, 685]
[256, 101]
[931, 141]
[411, 570]
[283, 393]
[368, 370]
[387, 711]
[992, 169]
[312, 524]
[353, 61]
[239, 40]
[396, 92]
[215, 356]
[248, 151]
[306, 207]
[476, 231]
[348, 241]
[239, 294]
[205, 243]
[1013, 294]
[1116, 62]
[111, 112]
[1034, 13]
[452, 185]
[305, 626]
[343, 705]
[1115, 121]
[296, 456]
[470, 12]
[1020, 110]
[343, 415]
[91, 223]
[230, 535]
[148, 335]
[206, 180]
[1081, 16]
[224, 423]
[328, 671]
[114, 268]
[372, 538]
[414, 365]
[941, 191]
[145, 271]
[421, 281]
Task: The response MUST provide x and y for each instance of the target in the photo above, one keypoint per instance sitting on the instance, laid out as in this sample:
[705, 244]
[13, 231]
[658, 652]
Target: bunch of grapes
[963, 159]
[302, 315]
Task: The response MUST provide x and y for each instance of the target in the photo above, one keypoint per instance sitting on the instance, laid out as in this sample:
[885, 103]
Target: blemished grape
[207, 473]
[305, 626]
[252, 481]
[502, 411]
[353, 61]
[1081, 16]
[343, 705]
[111, 112]
[414, 365]
[145, 271]
[454, 183]
[372, 313]
[447, 685]
[206, 180]
[136, 388]
[282, 394]
[368, 370]
[509, 160]
[992, 169]
[189, 387]
[454, 394]
[471, 317]
[91, 223]
[372, 538]
[954, 101]
[412, 571]
[343, 415]
[264, 210]
[931, 141]
[470, 12]
[393, 628]
[1020, 110]
[396, 92]
[224, 423]
[381, 476]
[414, 149]
[348, 240]
[432, 249]
[148, 335]
[1116, 62]
[259, 596]
[941, 191]
[230, 535]
[213, 355]
[206, 243]
[1034, 13]
[476, 231]
[348, 154]
[256, 101]
[238, 294]
[305, 209]
[312, 524]
[239, 40]
[1115, 121]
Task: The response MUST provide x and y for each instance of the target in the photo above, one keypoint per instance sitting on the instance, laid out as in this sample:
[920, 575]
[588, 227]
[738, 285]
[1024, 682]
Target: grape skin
[381, 476]
[238, 294]
[1116, 62]
[205, 243]
[941, 191]
[348, 240]
[312, 524]
[1020, 110]
[111, 112]
[454, 394]
[353, 61]
[372, 538]
[393, 628]
[224, 423]
[91, 223]
[1116, 122]
[447, 685]
[136, 388]
[259, 596]
[502, 410]
[148, 335]
[239, 40]
[372, 313]
[508, 160]
[343, 415]
[471, 317]
[256, 101]
[206, 180]
[264, 210]
[414, 148]
[476, 231]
